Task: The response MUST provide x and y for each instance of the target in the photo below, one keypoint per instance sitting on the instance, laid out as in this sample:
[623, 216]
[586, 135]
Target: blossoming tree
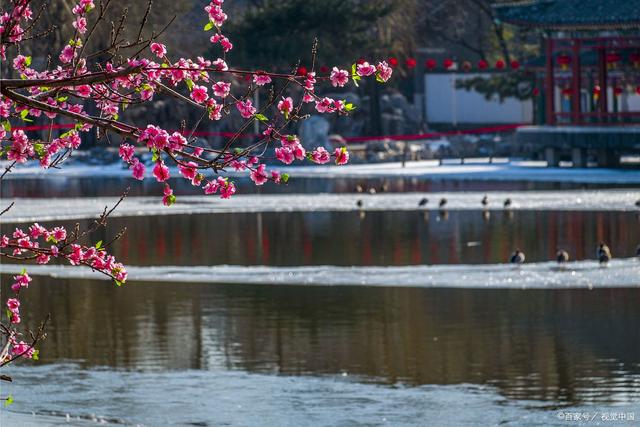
[108, 81]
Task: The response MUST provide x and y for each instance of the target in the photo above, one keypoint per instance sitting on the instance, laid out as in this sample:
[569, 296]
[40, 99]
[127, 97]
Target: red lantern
[430, 64]
[567, 92]
[535, 91]
[447, 63]
[301, 71]
[515, 65]
[564, 61]
[499, 64]
[324, 69]
[638, 90]
[482, 64]
[466, 66]
[617, 91]
[393, 61]
[596, 92]
[612, 59]
[410, 63]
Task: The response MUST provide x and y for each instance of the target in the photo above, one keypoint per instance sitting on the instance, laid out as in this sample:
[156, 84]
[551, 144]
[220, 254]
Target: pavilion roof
[571, 14]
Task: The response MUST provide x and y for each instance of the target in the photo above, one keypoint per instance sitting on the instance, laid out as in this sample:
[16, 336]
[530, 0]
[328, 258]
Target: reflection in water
[367, 238]
[104, 186]
[566, 346]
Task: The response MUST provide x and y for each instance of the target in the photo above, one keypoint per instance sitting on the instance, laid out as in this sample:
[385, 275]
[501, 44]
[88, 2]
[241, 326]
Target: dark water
[559, 347]
[113, 186]
[380, 238]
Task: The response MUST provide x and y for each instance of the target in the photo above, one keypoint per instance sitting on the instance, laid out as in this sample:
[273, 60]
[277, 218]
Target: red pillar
[602, 82]
[549, 85]
[576, 109]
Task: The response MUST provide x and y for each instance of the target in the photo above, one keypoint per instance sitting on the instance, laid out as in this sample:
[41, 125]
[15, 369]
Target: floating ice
[29, 210]
[546, 275]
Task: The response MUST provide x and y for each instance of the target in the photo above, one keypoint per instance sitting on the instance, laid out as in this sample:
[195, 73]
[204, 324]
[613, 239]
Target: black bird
[443, 203]
[485, 200]
[562, 256]
[359, 203]
[517, 257]
[423, 202]
[507, 203]
[603, 253]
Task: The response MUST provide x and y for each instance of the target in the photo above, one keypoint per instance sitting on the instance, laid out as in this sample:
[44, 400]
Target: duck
[359, 203]
[603, 253]
[443, 203]
[485, 201]
[372, 190]
[562, 256]
[517, 257]
[507, 203]
[423, 202]
[359, 188]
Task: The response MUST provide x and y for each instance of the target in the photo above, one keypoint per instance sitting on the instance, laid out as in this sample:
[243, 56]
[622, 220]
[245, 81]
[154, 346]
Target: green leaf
[23, 272]
[189, 83]
[354, 75]
[209, 26]
[36, 355]
[117, 282]
[155, 155]
[24, 114]
[237, 150]
[9, 314]
[27, 61]
[284, 177]
[261, 117]
[62, 98]
[8, 401]
[116, 116]
[378, 78]
[99, 244]
[171, 200]
[6, 125]
[39, 149]
[52, 240]
[348, 106]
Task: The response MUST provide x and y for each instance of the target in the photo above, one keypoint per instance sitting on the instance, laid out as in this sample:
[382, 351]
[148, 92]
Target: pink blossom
[259, 176]
[261, 79]
[275, 176]
[285, 155]
[67, 54]
[246, 108]
[138, 169]
[126, 152]
[310, 81]
[384, 71]
[215, 109]
[168, 198]
[285, 106]
[161, 172]
[365, 69]
[177, 141]
[43, 259]
[221, 89]
[199, 94]
[80, 24]
[20, 62]
[320, 155]
[227, 190]
[36, 230]
[298, 151]
[13, 304]
[158, 49]
[339, 77]
[21, 281]
[83, 91]
[59, 234]
[342, 156]
[211, 187]
[325, 105]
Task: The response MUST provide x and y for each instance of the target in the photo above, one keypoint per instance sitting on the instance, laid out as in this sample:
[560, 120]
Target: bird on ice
[485, 201]
[562, 256]
[423, 202]
[517, 257]
[603, 253]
